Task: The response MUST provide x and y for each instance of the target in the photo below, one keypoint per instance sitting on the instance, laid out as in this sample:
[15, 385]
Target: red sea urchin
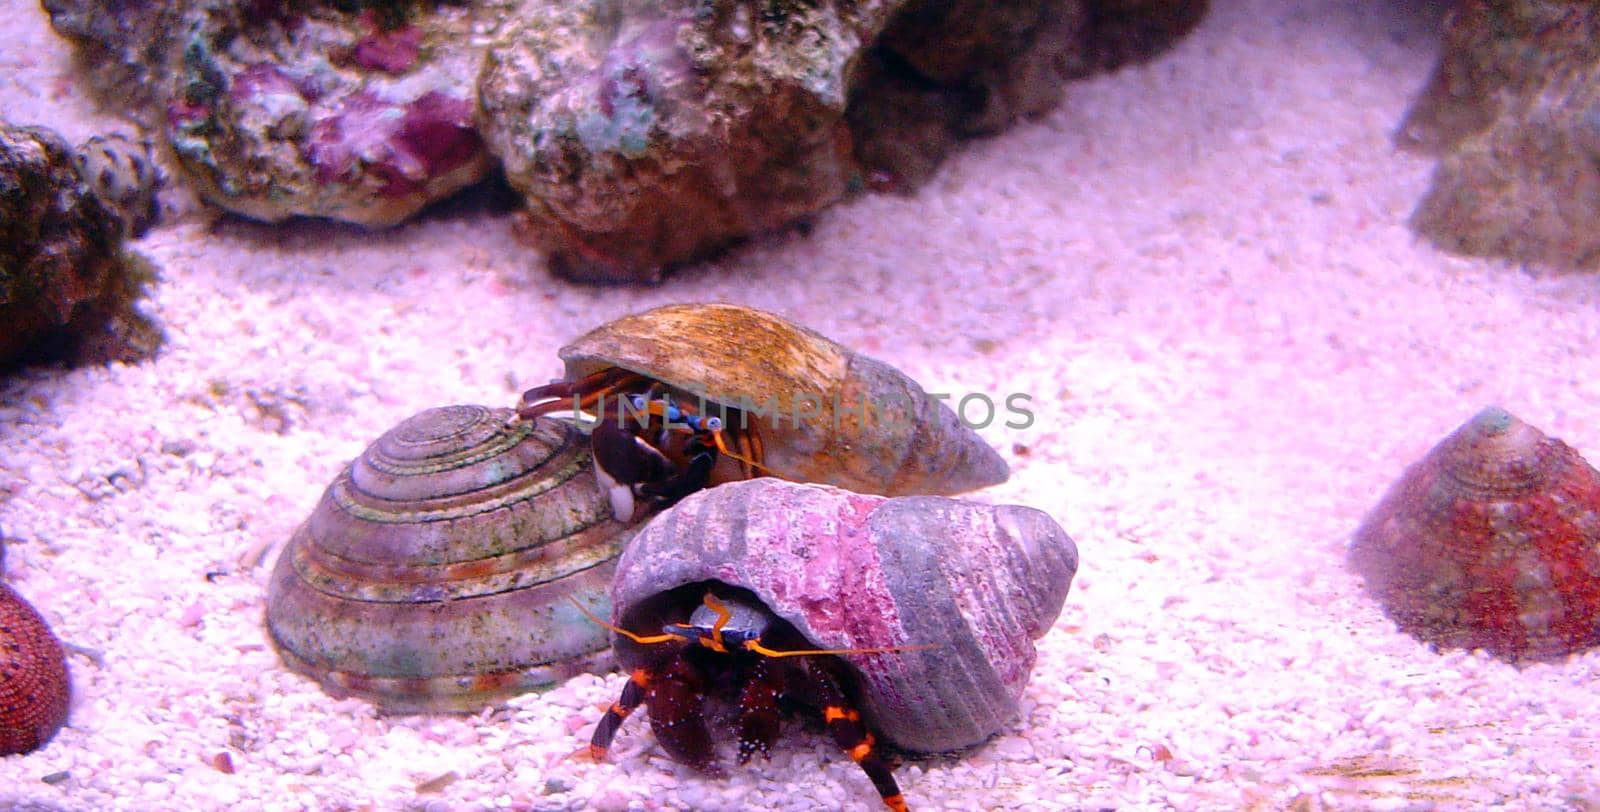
[1490, 541]
[33, 677]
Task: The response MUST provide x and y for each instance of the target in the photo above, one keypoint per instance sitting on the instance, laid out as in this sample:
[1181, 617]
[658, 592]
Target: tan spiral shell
[735, 355]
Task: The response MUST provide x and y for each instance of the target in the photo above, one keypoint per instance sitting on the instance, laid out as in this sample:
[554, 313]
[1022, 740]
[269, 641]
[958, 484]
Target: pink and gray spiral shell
[977, 582]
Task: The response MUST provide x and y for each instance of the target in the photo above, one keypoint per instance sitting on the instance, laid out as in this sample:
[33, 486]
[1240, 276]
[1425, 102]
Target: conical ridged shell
[1490, 541]
[34, 688]
[981, 582]
[910, 444]
[435, 572]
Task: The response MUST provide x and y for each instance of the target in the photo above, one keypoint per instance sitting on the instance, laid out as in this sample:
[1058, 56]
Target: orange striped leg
[632, 695]
[844, 722]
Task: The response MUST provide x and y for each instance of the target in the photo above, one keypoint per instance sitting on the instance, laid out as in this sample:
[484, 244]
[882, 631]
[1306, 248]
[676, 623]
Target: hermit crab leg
[622, 461]
[576, 396]
[632, 696]
[696, 477]
[844, 722]
[758, 708]
[677, 714]
[675, 696]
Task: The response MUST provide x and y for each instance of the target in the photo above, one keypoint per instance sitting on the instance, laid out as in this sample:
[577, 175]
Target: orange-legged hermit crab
[907, 621]
[733, 640]
[790, 404]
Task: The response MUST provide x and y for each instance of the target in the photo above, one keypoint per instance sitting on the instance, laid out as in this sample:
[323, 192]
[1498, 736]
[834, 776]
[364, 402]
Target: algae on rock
[648, 134]
[67, 283]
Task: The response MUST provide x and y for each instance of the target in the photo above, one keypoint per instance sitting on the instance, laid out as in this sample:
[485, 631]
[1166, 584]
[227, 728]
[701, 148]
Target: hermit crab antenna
[723, 615]
[722, 447]
[722, 620]
[755, 646]
[641, 639]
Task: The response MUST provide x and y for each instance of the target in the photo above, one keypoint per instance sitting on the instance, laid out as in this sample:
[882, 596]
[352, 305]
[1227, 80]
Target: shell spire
[1492, 541]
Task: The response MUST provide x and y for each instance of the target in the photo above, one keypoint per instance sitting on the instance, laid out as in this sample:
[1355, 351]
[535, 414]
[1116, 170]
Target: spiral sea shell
[34, 687]
[980, 582]
[837, 417]
[435, 574]
[1490, 541]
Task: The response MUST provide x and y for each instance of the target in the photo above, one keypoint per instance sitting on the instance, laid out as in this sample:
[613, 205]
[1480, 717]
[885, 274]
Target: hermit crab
[695, 394]
[907, 620]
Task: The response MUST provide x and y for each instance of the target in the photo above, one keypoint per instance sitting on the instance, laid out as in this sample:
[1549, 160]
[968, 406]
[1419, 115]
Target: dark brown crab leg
[758, 707]
[675, 694]
[632, 697]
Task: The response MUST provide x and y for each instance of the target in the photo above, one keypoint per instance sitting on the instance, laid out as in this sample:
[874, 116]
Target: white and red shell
[979, 582]
[1490, 541]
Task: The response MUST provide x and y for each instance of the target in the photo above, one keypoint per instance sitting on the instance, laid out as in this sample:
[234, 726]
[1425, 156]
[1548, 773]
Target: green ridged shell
[436, 572]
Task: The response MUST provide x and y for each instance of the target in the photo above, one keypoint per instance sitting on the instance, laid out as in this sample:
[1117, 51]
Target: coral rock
[1514, 108]
[326, 114]
[1490, 541]
[647, 137]
[641, 135]
[34, 688]
[66, 284]
[281, 109]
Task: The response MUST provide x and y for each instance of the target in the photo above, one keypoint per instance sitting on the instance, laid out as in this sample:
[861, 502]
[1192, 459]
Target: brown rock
[1513, 108]
[67, 285]
[647, 137]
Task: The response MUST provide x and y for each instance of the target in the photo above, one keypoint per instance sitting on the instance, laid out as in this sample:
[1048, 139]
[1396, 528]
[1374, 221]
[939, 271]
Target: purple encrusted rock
[277, 109]
[327, 114]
